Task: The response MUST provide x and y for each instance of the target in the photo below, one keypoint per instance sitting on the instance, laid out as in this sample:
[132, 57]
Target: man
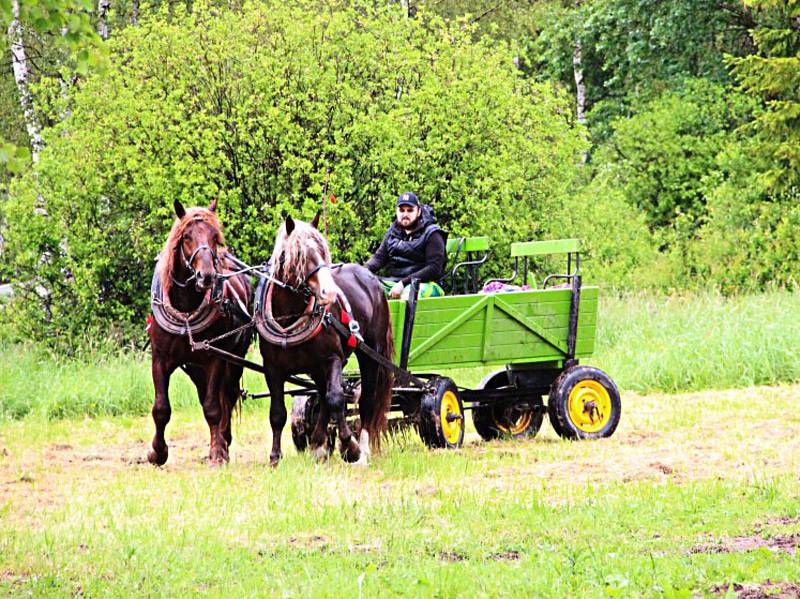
[413, 248]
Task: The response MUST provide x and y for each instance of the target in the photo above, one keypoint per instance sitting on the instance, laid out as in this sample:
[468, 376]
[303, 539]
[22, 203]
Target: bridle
[303, 288]
[188, 262]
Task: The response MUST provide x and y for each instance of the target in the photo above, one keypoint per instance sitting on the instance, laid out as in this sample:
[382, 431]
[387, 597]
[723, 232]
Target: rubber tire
[430, 426]
[557, 402]
[303, 420]
[485, 418]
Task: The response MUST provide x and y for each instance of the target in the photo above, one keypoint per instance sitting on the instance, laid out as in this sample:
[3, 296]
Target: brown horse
[192, 300]
[295, 339]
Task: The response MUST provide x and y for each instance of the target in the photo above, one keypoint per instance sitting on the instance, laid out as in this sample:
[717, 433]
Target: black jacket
[418, 254]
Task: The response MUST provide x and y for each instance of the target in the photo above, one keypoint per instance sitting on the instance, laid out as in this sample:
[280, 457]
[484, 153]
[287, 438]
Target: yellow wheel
[589, 406]
[584, 403]
[499, 418]
[442, 415]
[452, 418]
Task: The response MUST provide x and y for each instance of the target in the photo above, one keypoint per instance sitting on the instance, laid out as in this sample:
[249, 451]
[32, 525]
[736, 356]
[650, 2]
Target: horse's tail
[383, 391]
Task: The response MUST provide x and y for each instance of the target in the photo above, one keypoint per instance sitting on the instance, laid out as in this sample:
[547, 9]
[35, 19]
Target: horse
[195, 296]
[305, 289]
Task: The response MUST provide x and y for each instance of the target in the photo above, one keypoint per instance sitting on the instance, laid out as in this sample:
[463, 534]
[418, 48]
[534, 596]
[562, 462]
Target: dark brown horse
[293, 342]
[193, 301]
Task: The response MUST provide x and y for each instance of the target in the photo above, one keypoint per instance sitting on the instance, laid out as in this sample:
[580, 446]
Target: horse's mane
[166, 262]
[294, 251]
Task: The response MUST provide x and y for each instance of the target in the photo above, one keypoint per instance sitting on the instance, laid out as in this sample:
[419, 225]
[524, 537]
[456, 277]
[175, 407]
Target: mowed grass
[646, 343]
[693, 493]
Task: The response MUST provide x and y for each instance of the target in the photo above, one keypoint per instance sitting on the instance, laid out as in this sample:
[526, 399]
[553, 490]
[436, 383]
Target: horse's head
[302, 257]
[196, 240]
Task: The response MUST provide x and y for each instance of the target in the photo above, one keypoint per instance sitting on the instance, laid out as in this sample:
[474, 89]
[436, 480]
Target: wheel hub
[589, 406]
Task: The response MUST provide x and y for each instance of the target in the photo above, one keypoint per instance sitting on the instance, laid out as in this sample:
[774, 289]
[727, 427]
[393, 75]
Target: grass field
[693, 494]
[646, 343]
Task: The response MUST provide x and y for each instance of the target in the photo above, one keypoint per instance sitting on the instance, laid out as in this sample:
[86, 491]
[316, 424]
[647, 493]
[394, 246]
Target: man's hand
[396, 290]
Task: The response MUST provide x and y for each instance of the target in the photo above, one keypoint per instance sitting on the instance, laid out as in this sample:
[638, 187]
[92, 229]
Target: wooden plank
[449, 328]
[513, 313]
[470, 244]
[520, 338]
[539, 248]
[487, 328]
[531, 309]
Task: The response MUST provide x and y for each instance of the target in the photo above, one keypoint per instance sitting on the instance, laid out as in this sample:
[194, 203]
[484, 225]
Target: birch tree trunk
[102, 18]
[135, 12]
[580, 87]
[19, 62]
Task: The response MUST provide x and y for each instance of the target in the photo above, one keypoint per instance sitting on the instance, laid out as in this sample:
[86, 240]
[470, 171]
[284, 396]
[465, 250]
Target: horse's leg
[367, 403]
[334, 397]
[214, 411]
[232, 387]
[277, 416]
[161, 371]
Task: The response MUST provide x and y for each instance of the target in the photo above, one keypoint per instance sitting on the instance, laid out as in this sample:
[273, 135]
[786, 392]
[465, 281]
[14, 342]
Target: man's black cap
[408, 198]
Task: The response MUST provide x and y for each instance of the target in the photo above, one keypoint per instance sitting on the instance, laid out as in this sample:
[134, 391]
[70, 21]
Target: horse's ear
[179, 209]
[213, 205]
[315, 220]
[289, 225]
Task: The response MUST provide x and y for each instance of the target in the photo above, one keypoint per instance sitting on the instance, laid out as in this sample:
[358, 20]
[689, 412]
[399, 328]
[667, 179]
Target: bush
[255, 106]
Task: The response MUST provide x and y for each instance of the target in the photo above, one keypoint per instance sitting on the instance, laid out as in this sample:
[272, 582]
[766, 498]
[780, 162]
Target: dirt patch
[778, 521]
[662, 468]
[782, 543]
[635, 438]
[768, 589]
[451, 556]
[312, 542]
[365, 547]
[505, 556]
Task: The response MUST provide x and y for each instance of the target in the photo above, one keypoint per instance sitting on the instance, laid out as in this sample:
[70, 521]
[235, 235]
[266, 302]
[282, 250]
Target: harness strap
[305, 328]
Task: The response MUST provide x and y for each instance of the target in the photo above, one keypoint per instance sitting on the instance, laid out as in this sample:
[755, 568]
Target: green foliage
[658, 158]
[634, 50]
[773, 75]
[51, 28]
[254, 107]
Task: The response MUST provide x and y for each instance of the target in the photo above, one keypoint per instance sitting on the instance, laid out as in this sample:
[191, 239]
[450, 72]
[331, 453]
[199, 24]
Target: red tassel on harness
[149, 322]
[345, 317]
[352, 342]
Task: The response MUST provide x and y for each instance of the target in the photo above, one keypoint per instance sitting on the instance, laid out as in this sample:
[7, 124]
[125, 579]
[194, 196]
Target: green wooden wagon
[537, 336]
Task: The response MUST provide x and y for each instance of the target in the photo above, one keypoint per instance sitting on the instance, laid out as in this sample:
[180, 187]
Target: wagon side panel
[472, 330]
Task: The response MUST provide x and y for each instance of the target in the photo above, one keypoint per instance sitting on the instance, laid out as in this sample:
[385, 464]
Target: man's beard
[413, 224]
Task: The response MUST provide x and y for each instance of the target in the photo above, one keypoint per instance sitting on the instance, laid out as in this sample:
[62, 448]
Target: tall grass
[35, 383]
[693, 342]
[646, 343]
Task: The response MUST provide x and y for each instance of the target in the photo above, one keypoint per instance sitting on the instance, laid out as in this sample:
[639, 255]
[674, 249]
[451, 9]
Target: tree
[772, 74]
[255, 106]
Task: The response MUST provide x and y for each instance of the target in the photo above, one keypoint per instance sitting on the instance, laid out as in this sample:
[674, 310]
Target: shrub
[254, 106]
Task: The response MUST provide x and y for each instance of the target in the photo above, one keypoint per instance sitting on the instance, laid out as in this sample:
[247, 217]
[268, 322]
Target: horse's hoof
[158, 458]
[352, 452]
[363, 445]
[320, 453]
[218, 458]
[274, 459]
